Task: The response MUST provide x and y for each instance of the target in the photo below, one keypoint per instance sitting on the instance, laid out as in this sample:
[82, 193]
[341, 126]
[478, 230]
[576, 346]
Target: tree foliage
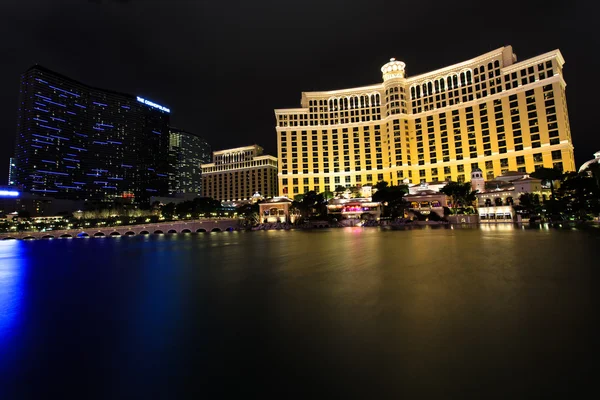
[461, 195]
[392, 197]
[548, 176]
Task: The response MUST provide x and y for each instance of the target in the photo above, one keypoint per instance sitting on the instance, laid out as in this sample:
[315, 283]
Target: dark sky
[223, 66]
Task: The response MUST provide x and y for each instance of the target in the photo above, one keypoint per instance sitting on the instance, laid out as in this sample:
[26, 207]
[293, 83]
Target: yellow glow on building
[237, 174]
[489, 112]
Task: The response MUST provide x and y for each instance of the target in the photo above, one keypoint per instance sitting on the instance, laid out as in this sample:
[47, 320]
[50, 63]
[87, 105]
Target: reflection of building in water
[276, 210]
[359, 208]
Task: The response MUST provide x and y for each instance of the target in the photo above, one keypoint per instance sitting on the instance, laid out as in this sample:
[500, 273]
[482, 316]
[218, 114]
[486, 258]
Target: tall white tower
[477, 181]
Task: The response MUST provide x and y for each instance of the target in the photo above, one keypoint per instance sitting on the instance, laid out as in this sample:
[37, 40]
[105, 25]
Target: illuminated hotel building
[187, 152]
[489, 112]
[237, 174]
[83, 143]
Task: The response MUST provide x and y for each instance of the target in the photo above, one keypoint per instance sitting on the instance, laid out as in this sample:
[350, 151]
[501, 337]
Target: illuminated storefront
[354, 209]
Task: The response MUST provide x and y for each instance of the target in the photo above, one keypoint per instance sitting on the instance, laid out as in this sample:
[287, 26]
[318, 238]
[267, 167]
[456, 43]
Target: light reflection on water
[12, 271]
[358, 310]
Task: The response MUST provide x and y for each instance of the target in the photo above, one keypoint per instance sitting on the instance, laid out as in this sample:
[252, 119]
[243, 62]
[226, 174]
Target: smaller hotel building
[237, 174]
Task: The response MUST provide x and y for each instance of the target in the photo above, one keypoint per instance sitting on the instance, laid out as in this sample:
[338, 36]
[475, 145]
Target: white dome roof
[587, 164]
[393, 69]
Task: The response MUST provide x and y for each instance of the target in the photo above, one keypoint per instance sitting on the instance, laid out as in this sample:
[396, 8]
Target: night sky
[223, 66]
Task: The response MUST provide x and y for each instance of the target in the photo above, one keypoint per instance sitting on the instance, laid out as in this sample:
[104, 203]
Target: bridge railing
[178, 226]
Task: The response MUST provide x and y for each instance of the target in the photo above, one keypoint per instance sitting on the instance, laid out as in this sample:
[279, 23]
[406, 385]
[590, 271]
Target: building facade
[83, 143]
[237, 174]
[490, 112]
[187, 152]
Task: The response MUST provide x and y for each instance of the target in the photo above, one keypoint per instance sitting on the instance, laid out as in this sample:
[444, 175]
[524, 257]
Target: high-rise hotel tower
[79, 142]
[489, 112]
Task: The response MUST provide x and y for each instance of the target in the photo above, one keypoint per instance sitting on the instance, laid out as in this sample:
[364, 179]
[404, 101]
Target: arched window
[469, 77]
[455, 81]
[449, 80]
[437, 86]
[425, 89]
[463, 80]
[429, 88]
[378, 100]
[442, 84]
[372, 100]
[412, 92]
[418, 92]
[345, 103]
[488, 202]
[490, 66]
[498, 201]
[496, 64]
[476, 71]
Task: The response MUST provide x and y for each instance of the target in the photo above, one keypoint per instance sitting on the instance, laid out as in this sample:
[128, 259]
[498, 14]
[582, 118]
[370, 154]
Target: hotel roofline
[509, 65]
[235, 149]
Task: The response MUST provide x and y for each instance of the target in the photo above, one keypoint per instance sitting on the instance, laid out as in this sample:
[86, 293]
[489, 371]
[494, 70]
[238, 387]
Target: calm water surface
[449, 313]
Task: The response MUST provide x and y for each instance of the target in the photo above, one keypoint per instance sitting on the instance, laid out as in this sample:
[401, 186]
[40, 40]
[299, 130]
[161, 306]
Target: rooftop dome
[587, 164]
[393, 69]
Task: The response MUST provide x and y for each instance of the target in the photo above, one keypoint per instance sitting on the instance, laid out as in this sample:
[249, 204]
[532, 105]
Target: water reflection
[409, 311]
[12, 272]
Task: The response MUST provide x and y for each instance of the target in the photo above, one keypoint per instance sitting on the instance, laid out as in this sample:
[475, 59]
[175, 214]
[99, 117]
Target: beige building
[490, 112]
[237, 174]
[275, 210]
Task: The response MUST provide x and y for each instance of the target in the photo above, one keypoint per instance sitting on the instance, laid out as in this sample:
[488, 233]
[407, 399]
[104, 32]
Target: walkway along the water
[205, 225]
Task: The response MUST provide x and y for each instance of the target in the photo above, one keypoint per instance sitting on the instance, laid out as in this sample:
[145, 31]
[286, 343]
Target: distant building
[13, 201]
[237, 174]
[187, 152]
[425, 202]
[496, 203]
[78, 142]
[275, 210]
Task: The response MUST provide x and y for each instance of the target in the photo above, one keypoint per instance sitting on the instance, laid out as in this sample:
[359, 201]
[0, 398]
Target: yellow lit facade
[489, 112]
[237, 174]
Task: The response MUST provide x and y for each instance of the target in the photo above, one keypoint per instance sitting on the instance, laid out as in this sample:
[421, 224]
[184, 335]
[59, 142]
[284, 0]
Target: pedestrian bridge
[192, 226]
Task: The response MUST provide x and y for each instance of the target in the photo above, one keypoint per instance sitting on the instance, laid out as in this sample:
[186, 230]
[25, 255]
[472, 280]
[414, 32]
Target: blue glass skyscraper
[79, 142]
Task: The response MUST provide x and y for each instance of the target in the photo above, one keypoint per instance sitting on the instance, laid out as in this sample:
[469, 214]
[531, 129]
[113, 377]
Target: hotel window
[556, 155]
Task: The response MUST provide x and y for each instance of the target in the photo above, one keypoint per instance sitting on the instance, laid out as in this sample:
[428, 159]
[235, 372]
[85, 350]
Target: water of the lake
[497, 312]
